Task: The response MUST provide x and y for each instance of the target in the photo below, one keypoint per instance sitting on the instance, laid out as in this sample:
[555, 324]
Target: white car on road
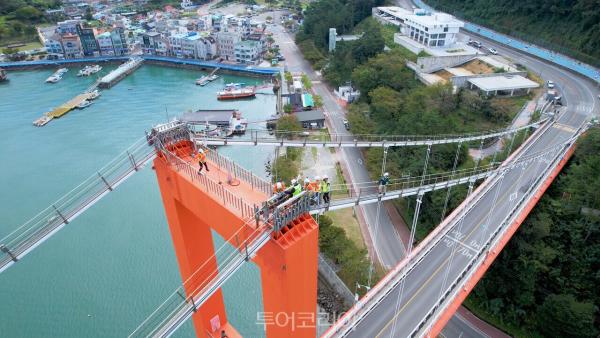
[550, 84]
[493, 51]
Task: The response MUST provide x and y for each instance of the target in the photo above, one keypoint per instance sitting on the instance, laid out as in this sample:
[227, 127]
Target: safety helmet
[386, 174]
[306, 180]
[279, 185]
[201, 151]
[317, 178]
[294, 181]
[325, 177]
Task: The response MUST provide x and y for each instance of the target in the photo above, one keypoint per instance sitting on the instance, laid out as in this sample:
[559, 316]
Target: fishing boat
[84, 104]
[57, 76]
[202, 81]
[233, 91]
[89, 70]
[94, 95]
[213, 77]
[42, 121]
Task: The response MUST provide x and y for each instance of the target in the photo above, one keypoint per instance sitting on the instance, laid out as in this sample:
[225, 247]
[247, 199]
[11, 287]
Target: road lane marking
[499, 201]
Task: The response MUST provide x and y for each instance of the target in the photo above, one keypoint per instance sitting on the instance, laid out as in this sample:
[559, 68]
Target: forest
[568, 26]
[545, 281]
[17, 18]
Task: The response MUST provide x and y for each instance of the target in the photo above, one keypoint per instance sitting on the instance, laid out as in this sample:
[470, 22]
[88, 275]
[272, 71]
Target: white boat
[89, 70]
[42, 121]
[202, 81]
[213, 77]
[94, 95]
[57, 76]
[84, 104]
[95, 69]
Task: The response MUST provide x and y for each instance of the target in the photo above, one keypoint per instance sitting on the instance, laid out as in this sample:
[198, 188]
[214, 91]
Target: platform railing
[217, 189]
[32, 233]
[238, 172]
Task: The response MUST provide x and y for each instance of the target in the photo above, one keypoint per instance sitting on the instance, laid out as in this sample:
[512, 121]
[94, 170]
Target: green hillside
[568, 26]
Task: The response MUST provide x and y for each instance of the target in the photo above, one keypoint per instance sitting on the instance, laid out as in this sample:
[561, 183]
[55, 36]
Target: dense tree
[563, 316]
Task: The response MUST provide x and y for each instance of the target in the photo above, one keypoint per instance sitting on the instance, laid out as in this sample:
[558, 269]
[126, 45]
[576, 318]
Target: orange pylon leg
[193, 242]
[288, 266]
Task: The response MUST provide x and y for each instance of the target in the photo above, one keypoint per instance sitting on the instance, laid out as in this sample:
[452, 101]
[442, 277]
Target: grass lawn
[346, 220]
[30, 46]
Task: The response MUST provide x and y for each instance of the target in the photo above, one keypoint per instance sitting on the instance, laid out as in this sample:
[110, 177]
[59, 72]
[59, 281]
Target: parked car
[493, 51]
[346, 124]
[550, 84]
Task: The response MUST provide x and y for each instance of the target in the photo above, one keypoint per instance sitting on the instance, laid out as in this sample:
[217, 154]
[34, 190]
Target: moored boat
[3, 76]
[42, 121]
[233, 91]
[84, 104]
[202, 81]
[57, 76]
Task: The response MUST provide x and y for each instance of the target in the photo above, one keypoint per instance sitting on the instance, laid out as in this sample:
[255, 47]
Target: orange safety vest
[313, 186]
[201, 157]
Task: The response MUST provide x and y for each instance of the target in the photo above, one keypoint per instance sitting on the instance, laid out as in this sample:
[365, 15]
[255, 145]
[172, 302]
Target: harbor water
[112, 266]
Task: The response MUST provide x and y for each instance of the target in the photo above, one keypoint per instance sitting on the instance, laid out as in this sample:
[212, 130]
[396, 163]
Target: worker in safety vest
[278, 187]
[325, 188]
[201, 157]
[383, 182]
[316, 187]
[297, 188]
[306, 186]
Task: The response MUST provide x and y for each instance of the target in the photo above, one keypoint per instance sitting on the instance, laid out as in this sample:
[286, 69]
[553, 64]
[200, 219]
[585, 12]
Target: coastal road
[384, 238]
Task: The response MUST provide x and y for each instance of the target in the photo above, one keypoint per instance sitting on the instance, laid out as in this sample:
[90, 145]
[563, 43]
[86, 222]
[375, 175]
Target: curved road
[391, 318]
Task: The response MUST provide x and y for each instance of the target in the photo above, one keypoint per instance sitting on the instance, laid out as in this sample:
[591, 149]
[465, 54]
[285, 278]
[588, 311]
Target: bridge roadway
[471, 230]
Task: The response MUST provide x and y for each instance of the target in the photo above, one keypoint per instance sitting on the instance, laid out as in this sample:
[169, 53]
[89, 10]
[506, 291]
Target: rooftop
[503, 82]
[310, 115]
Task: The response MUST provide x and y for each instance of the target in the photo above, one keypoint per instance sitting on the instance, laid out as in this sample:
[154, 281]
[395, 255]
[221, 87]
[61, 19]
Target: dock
[63, 109]
[120, 72]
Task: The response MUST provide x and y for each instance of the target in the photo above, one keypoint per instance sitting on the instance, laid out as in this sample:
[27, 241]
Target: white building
[226, 41]
[54, 46]
[429, 29]
[105, 44]
[67, 27]
[247, 52]
[206, 48]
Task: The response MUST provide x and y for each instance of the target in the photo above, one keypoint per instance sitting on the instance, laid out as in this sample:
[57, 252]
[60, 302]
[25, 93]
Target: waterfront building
[54, 46]
[119, 41]
[247, 51]
[71, 46]
[176, 43]
[226, 41]
[149, 42]
[207, 48]
[88, 40]
[105, 44]
[189, 45]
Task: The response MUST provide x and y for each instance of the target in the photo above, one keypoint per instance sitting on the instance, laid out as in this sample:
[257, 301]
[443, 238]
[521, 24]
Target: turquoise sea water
[107, 270]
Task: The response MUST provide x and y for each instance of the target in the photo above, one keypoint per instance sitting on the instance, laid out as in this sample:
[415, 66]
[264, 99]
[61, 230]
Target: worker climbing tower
[233, 202]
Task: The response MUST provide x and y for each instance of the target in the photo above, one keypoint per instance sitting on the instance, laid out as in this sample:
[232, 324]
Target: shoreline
[150, 59]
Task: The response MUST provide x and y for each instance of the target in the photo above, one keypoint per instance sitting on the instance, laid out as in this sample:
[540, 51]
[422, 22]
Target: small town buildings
[150, 42]
[119, 41]
[54, 47]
